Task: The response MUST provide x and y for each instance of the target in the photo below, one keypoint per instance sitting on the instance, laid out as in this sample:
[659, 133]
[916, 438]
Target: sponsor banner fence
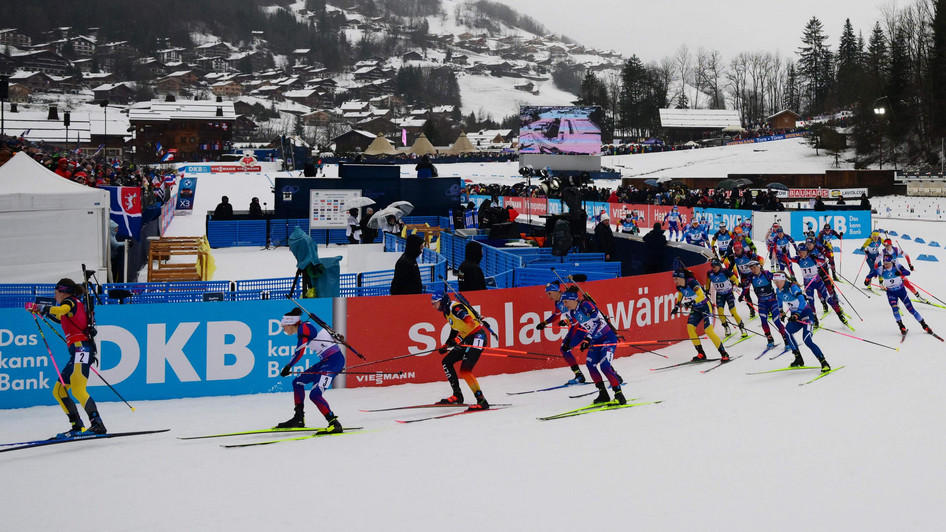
[167, 212]
[185, 194]
[854, 224]
[730, 217]
[768, 138]
[639, 307]
[220, 168]
[160, 351]
[810, 193]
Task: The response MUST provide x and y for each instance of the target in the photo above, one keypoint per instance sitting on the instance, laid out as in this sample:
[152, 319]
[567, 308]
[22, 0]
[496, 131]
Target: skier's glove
[541, 325]
[793, 317]
[676, 310]
[285, 370]
[585, 344]
[911, 268]
[443, 349]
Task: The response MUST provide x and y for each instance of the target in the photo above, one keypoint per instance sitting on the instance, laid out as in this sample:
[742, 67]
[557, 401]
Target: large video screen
[560, 130]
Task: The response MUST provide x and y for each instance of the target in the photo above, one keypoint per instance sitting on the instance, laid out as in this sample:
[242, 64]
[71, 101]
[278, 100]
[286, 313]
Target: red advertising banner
[650, 213]
[389, 326]
[538, 206]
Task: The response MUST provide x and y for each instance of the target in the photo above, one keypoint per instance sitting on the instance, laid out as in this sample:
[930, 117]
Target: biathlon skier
[768, 302]
[896, 254]
[464, 345]
[813, 273]
[873, 248]
[892, 275]
[722, 241]
[824, 240]
[320, 375]
[631, 223]
[690, 296]
[741, 260]
[596, 337]
[673, 220]
[782, 247]
[696, 235]
[742, 236]
[70, 312]
[560, 316]
[723, 281]
[800, 317]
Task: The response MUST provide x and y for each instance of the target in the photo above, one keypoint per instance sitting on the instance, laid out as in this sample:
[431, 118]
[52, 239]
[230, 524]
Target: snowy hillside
[857, 450]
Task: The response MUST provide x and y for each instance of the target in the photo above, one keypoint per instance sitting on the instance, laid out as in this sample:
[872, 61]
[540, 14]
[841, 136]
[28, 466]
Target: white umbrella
[359, 202]
[405, 206]
[375, 221]
[663, 179]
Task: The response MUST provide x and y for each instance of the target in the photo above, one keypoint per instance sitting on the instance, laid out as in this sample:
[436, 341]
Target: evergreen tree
[876, 61]
[814, 66]
[849, 66]
[634, 85]
[937, 70]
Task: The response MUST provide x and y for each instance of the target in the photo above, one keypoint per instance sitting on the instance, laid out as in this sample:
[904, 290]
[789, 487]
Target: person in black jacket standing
[406, 272]
[604, 237]
[655, 246]
[471, 275]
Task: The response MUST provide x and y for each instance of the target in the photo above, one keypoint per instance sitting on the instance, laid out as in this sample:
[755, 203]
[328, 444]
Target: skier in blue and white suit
[696, 235]
[673, 220]
[597, 337]
[892, 276]
[800, 318]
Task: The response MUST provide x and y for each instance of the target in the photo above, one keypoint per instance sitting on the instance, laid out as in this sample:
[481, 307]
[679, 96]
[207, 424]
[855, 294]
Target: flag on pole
[126, 209]
[169, 156]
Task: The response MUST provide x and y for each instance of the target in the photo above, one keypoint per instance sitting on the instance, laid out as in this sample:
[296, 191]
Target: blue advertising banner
[185, 193]
[160, 351]
[731, 217]
[854, 224]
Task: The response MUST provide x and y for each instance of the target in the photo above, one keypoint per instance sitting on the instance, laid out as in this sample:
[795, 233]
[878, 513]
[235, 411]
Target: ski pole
[50, 351]
[339, 339]
[90, 365]
[343, 372]
[863, 262]
[929, 294]
[419, 353]
[854, 285]
[590, 299]
[848, 301]
[851, 336]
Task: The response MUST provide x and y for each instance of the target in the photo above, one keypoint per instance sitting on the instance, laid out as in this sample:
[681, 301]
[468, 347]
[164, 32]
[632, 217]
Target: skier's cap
[737, 246]
[569, 295]
[679, 274]
[554, 286]
[752, 263]
[875, 234]
[291, 320]
[779, 229]
[778, 276]
[437, 295]
[887, 259]
[888, 242]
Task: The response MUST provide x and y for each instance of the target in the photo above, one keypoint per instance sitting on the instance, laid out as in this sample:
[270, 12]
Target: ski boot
[834, 276]
[798, 362]
[723, 355]
[842, 318]
[76, 430]
[700, 355]
[903, 329]
[815, 323]
[334, 427]
[824, 308]
[481, 403]
[867, 283]
[824, 366]
[751, 313]
[603, 396]
[96, 426]
[297, 421]
[726, 330]
[926, 327]
[742, 330]
[619, 396]
[455, 399]
[771, 341]
[579, 376]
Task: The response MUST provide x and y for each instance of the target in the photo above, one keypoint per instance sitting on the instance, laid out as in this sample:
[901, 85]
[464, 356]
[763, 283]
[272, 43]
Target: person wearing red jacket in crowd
[62, 168]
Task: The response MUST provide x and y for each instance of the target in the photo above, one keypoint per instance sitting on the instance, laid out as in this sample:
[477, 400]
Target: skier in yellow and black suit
[690, 295]
[69, 311]
[465, 344]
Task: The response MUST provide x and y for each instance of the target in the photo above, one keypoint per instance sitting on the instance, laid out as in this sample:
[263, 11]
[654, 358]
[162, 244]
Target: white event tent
[49, 226]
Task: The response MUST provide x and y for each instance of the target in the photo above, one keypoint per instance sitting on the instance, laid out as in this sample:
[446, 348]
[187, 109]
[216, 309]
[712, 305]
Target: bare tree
[709, 73]
[683, 65]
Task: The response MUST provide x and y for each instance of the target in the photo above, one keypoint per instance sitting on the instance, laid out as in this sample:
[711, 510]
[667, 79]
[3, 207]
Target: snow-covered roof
[699, 118]
[34, 127]
[110, 86]
[162, 111]
[301, 93]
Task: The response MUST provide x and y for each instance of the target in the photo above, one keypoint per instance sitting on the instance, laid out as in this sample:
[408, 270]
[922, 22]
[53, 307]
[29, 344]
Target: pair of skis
[703, 361]
[600, 407]
[7, 447]
[470, 409]
[796, 368]
[306, 434]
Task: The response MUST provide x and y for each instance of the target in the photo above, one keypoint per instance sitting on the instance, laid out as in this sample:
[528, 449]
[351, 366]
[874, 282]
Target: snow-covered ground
[858, 450]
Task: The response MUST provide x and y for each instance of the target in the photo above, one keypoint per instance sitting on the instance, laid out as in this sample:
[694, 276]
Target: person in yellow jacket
[724, 281]
[690, 296]
[464, 345]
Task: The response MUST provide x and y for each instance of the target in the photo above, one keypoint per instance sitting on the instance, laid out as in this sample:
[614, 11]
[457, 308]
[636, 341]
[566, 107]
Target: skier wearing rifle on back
[893, 276]
[596, 337]
[70, 312]
[320, 375]
[464, 345]
[800, 317]
[560, 316]
[690, 296]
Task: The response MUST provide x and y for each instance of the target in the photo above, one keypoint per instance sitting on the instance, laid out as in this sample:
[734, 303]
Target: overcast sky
[654, 29]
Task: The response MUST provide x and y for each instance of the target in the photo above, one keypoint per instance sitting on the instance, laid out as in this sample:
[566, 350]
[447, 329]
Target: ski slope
[860, 449]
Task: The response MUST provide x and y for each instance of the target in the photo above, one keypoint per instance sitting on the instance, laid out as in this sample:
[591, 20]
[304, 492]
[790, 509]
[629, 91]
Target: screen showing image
[560, 130]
